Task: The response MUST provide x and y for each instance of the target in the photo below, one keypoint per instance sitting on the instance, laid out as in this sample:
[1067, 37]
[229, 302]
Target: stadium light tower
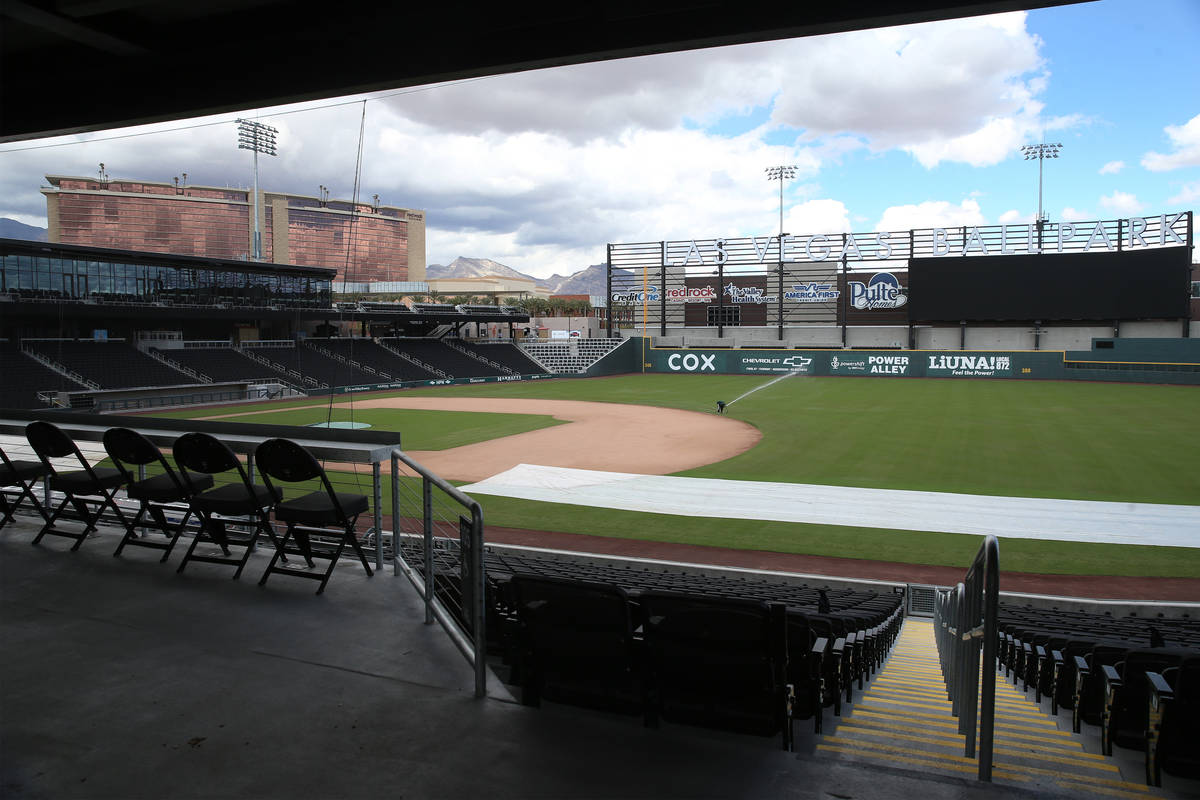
[781, 173]
[257, 138]
[1041, 152]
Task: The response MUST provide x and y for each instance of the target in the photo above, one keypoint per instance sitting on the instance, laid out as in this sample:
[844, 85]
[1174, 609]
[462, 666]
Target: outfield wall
[1121, 360]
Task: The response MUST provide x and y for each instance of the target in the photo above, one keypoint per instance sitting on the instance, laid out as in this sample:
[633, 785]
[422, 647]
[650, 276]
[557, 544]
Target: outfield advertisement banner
[372, 387]
[865, 363]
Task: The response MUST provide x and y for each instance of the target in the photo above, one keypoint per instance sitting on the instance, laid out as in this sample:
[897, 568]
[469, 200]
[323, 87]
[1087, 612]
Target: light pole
[1041, 152]
[781, 173]
[257, 138]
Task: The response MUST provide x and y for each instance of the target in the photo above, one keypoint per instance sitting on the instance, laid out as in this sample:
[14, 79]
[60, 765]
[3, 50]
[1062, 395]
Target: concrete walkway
[122, 679]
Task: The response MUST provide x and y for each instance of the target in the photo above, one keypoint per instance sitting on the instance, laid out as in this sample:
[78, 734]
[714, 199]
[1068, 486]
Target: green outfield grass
[1090, 441]
[419, 429]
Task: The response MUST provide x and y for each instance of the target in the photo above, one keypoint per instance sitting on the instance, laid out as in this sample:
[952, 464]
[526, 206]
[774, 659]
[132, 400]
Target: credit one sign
[1164, 230]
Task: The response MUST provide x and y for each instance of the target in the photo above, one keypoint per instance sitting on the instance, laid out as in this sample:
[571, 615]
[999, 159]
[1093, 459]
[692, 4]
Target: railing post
[427, 547]
[479, 612]
[396, 519]
[991, 598]
[377, 490]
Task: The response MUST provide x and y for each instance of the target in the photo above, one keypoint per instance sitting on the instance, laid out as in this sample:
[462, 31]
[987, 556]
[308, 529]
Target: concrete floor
[121, 679]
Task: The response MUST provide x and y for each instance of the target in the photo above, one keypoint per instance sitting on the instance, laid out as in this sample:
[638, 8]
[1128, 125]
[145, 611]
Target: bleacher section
[369, 355]
[109, 364]
[505, 354]
[24, 376]
[573, 356]
[220, 364]
[314, 367]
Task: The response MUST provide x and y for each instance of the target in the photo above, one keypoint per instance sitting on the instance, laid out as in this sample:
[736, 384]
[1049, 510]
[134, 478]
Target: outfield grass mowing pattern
[1088, 441]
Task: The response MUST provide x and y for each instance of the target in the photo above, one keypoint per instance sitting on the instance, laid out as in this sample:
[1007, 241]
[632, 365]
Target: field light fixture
[1041, 152]
[257, 138]
[781, 173]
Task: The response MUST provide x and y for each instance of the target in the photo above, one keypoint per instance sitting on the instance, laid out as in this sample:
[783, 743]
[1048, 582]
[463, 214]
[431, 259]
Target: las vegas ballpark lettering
[1133, 233]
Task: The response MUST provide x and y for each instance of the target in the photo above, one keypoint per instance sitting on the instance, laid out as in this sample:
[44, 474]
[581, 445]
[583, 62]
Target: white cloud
[818, 216]
[1014, 217]
[1185, 141]
[1190, 193]
[931, 214]
[1070, 214]
[1112, 168]
[1121, 203]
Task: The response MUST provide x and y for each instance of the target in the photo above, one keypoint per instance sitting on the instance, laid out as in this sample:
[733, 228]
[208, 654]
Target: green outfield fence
[1130, 361]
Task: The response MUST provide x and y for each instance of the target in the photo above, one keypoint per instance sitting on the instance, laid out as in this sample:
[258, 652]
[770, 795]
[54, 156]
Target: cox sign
[692, 362]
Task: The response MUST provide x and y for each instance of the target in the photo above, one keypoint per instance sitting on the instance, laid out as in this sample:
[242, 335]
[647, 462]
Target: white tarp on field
[1013, 517]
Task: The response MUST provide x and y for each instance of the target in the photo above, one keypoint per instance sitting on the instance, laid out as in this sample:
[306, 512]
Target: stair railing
[963, 616]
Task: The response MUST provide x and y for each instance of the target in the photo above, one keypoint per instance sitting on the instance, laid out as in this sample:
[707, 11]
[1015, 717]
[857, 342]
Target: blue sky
[894, 128]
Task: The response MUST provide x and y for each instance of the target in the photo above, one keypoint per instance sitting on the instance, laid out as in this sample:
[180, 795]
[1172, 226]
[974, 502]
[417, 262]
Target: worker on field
[720, 406]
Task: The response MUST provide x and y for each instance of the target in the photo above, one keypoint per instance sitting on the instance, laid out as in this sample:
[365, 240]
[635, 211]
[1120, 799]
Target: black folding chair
[24, 475]
[322, 510]
[81, 488]
[154, 494]
[243, 501]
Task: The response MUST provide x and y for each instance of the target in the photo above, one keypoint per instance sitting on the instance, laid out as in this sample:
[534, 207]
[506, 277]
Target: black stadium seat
[718, 663]
[576, 644]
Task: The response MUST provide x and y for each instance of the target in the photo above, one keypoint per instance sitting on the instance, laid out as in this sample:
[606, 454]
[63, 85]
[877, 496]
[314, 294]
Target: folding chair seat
[89, 486]
[154, 494]
[325, 510]
[23, 475]
[239, 501]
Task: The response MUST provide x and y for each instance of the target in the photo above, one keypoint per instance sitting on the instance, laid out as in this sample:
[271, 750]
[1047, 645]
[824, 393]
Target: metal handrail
[962, 616]
[473, 642]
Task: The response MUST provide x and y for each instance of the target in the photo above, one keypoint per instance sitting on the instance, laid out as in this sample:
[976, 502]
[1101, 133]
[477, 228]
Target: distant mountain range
[587, 281]
[11, 229]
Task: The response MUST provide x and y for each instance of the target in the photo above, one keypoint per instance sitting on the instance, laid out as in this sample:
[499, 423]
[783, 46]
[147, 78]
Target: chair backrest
[49, 441]
[285, 460]
[202, 452]
[127, 446]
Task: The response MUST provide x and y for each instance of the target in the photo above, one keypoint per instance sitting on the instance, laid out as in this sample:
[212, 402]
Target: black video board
[1135, 284]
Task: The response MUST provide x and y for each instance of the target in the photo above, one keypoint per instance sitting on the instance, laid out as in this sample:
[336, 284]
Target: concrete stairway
[903, 720]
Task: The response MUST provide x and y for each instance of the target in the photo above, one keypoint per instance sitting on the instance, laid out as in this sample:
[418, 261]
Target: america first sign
[1164, 230]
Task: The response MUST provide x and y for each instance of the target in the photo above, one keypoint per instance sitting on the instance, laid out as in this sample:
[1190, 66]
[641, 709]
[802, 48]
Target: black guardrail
[963, 616]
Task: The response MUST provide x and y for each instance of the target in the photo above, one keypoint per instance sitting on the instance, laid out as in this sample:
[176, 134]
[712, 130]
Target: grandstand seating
[224, 364]
[505, 354]
[437, 354]
[1174, 722]
[24, 377]
[369, 355]
[573, 356]
[832, 638]
[109, 364]
[309, 362]
[1097, 666]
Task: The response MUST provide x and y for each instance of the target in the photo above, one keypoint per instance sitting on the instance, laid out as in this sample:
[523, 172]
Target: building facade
[363, 242]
